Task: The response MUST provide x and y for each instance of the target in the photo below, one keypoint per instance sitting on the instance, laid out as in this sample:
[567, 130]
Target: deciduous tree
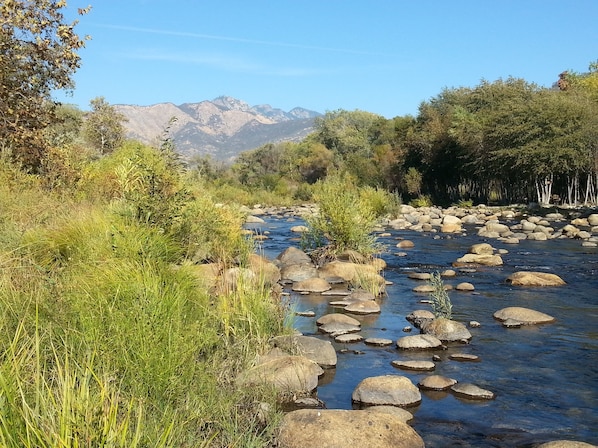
[38, 54]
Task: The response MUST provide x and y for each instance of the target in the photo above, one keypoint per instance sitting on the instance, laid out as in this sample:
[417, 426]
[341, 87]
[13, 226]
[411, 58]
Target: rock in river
[529, 278]
[524, 315]
[418, 342]
[393, 390]
[333, 428]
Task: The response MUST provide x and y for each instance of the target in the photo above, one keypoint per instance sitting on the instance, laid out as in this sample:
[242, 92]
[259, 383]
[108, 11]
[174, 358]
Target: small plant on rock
[441, 302]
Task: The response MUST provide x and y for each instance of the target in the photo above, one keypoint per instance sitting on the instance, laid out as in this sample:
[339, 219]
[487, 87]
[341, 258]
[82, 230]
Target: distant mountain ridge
[222, 128]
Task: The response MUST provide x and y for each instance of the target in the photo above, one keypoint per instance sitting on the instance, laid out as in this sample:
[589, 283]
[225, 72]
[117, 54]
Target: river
[545, 377]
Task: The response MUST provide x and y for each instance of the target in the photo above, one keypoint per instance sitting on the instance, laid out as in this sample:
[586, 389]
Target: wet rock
[299, 229]
[436, 382]
[423, 289]
[524, 315]
[419, 342]
[334, 428]
[471, 391]
[530, 278]
[305, 313]
[393, 390]
[474, 324]
[312, 348]
[424, 366]
[359, 295]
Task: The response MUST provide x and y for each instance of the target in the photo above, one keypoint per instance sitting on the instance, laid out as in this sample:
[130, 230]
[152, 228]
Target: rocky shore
[295, 362]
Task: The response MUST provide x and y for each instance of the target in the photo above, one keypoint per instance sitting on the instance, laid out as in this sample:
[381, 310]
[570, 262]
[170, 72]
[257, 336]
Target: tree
[38, 54]
[103, 126]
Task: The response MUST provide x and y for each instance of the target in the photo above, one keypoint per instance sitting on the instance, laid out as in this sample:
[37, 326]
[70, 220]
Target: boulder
[481, 249]
[418, 342]
[338, 318]
[363, 307]
[414, 365]
[293, 255]
[436, 382]
[313, 284]
[393, 390]
[298, 272]
[530, 278]
[471, 391]
[406, 244]
[446, 330]
[525, 316]
[566, 444]
[312, 348]
[334, 428]
[287, 374]
[481, 259]
[465, 286]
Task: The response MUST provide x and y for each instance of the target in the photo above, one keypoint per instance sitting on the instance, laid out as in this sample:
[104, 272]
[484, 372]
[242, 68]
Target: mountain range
[221, 128]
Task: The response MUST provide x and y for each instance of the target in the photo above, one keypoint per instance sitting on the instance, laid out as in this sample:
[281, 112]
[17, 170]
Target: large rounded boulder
[334, 428]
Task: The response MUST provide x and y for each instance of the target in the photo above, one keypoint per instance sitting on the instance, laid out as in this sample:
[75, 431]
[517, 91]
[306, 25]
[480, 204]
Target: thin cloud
[236, 39]
[220, 62]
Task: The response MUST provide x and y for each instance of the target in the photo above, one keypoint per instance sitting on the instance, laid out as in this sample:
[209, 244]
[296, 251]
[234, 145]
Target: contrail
[234, 39]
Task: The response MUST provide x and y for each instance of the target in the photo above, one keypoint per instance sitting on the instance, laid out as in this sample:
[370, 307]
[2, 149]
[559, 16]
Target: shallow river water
[545, 377]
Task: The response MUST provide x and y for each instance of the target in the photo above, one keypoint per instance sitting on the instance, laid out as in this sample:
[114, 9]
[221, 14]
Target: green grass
[107, 338]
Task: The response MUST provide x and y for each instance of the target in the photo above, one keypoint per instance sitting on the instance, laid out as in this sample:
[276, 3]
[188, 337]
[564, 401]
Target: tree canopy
[38, 54]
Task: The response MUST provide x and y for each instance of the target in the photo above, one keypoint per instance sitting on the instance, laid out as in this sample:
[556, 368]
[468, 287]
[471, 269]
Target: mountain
[222, 128]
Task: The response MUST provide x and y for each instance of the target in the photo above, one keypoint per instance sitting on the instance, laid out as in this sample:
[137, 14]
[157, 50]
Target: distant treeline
[507, 141]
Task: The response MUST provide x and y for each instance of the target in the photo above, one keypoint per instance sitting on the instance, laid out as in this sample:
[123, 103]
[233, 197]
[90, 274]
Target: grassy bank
[108, 336]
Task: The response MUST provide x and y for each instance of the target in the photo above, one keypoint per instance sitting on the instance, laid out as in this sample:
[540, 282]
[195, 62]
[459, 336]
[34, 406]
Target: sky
[379, 56]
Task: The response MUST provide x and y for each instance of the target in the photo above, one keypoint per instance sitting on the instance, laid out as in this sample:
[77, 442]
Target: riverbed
[545, 377]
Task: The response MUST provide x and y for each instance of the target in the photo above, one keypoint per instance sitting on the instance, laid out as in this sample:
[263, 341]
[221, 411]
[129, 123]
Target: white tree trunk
[544, 189]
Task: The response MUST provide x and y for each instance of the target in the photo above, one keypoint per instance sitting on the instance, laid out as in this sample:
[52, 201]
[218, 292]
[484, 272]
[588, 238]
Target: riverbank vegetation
[110, 336]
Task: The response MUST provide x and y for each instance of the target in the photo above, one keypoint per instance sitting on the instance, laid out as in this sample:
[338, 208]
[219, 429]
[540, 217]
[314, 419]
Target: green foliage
[151, 185]
[413, 181]
[106, 335]
[103, 127]
[441, 302]
[344, 219]
[421, 201]
[38, 54]
[381, 202]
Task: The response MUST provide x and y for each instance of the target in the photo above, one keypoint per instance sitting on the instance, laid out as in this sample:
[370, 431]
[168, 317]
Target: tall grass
[441, 302]
[108, 339]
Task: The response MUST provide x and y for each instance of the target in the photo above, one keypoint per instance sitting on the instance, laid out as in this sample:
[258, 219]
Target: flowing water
[545, 377]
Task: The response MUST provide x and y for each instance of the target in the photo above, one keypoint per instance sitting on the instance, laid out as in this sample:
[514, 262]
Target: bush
[345, 219]
[441, 302]
[421, 201]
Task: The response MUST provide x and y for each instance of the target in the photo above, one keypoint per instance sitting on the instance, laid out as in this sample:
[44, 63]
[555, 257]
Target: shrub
[421, 201]
[345, 220]
[441, 302]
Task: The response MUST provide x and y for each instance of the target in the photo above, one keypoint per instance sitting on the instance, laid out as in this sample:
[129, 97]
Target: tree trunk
[544, 189]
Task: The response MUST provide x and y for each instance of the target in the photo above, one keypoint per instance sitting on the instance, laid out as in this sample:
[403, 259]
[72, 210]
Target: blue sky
[380, 56]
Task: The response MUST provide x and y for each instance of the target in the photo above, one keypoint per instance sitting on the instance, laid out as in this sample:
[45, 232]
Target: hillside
[222, 128]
